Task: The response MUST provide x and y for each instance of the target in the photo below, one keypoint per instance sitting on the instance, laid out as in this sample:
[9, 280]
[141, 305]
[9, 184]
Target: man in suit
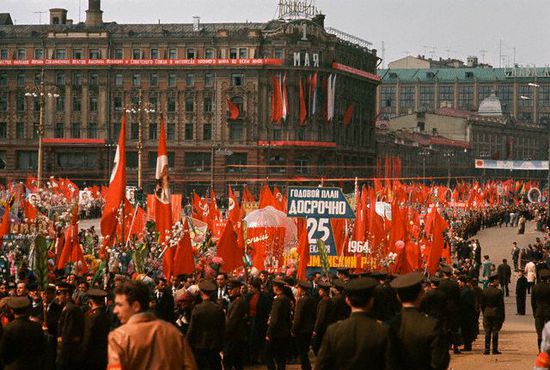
[422, 338]
[346, 346]
[341, 309]
[521, 292]
[23, 344]
[325, 315]
[70, 330]
[492, 306]
[96, 331]
[386, 305]
[235, 328]
[165, 306]
[304, 320]
[450, 287]
[206, 331]
[540, 302]
[222, 297]
[504, 273]
[278, 328]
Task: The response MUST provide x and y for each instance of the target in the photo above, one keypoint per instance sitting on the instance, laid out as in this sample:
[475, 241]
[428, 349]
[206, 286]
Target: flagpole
[132, 225]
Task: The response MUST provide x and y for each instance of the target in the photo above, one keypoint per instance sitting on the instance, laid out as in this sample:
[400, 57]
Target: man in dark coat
[492, 306]
[422, 339]
[540, 302]
[468, 314]
[23, 344]
[165, 307]
[346, 346]
[70, 330]
[341, 309]
[450, 287]
[324, 317]
[259, 306]
[504, 273]
[96, 331]
[304, 321]
[521, 292]
[278, 329]
[206, 331]
[386, 304]
[235, 328]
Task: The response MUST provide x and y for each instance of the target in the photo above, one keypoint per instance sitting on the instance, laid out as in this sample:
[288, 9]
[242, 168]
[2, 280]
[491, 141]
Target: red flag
[29, 210]
[163, 208]
[348, 115]
[139, 222]
[360, 225]
[277, 101]
[266, 197]
[116, 192]
[228, 249]
[183, 258]
[213, 212]
[5, 226]
[200, 208]
[303, 109]
[234, 213]
[176, 207]
[234, 111]
[303, 252]
[247, 195]
[437, 226]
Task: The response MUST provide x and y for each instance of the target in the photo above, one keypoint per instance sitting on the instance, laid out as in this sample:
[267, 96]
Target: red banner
[355, 71]
[321, 144]
[142, 62]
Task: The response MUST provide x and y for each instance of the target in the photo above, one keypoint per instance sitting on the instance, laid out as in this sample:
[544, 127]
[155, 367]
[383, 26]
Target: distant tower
[94, 14]
[297, 9]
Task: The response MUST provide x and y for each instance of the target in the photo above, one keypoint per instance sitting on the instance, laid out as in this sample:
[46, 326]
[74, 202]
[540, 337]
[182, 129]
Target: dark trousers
[276, 351]
[520, 304]
[492, 326]
[504, 288]
[233, 355]
[302, 343]
[208, 359]
[539, 325]
[529, 286]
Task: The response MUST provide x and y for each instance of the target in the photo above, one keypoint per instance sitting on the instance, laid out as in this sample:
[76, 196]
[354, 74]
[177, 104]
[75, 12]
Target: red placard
[318, 144]
[72, 141]
[355, 71]
[142, 62]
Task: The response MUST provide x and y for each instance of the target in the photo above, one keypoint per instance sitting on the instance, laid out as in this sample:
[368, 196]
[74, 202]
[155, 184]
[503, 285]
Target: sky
[516, 29]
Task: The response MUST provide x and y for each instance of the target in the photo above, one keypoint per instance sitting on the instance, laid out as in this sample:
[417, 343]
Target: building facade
[92, 72]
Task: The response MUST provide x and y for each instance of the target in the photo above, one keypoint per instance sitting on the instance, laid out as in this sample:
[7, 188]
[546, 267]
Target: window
[427, 96]
[136, 53]
[407, 97]
[21, 80]
[236, 162]
[154, 100]
[95, 54]
[3, 103]
[117, 103]
[136, 80]
[278, 53]
[20, 130]
[526, 92]
[208, 79]
[134, 131]
[118, 53]
[37, 79]
[446, 96]
[60, 79]
[131, 159]
[466, 97]
[21, 54]
[171, 80]
[93, 79]
[207, 131]
[93, 103]
[77, 103]
[277, 133]
[118, 80]
[173, 54]
[544, 95]
[27, 160]
[484, 91]
[75, 130]
[3, 130]
[154, 53]
[197, 161]
[3, 79]
[506, 95]
[278, 160]
[154, 79]
[171, 131]
[153, 131]
[243, 53]
[233, 53]
[387, 96]
[189, 104]
[302, 166]
[60, 104]
[236, 131]
[77, 54]
[209, 53]
[59, 130]
[3, 54]
[60, 54]
[92, 130]
[207, 104]
[190, 80]
[237, 79]
[38, 53]
[20, 103]
[77, 79]
[171, 101]
[35, 130]
[188, 131]
[77, 160]
[191, 53]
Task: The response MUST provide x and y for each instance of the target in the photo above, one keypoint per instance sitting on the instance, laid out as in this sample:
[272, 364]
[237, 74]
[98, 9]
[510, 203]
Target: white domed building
[490, 106]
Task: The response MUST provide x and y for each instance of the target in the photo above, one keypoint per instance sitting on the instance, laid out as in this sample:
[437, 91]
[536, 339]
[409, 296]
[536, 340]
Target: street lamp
[449, 154]
[424, 153]
[40, 92]
[140, 109]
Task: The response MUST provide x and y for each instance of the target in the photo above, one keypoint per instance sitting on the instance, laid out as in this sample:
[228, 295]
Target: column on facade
[515, 100]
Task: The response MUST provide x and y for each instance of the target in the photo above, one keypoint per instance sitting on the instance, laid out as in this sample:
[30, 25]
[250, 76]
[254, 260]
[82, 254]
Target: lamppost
[140, 109]
[424, 153]
[40, 92]
[448, 154]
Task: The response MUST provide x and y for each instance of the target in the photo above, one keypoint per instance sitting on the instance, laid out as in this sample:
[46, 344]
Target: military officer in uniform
[386, 305]
[422, 339]
[540, 302]
[492, 306]
[235, 327]
[359, 342]
[341, 309]
[325, 315]
[278, 328]
[70, 330]
[96, 331]
[304, 321]
[206, 331]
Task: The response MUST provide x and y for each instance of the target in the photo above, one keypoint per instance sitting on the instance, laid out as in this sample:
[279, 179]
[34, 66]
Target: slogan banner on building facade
[492, 164]
[224, 62]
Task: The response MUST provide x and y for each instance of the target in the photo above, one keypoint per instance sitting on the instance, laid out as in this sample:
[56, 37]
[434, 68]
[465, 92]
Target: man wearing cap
[468, 315]
[206, 331]
[452, 292]
[422, 338]
[96, 331]
[304, 321]
[492, 306]
[540, 302]
[359, 342]
[386, 305]
[235, 327]
[325, 315]
[70, 330]
[144, 342]
[278, 328]
[23, 344]
[341, 309]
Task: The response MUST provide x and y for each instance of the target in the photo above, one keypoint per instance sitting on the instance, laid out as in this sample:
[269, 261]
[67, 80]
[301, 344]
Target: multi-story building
[96, 70]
